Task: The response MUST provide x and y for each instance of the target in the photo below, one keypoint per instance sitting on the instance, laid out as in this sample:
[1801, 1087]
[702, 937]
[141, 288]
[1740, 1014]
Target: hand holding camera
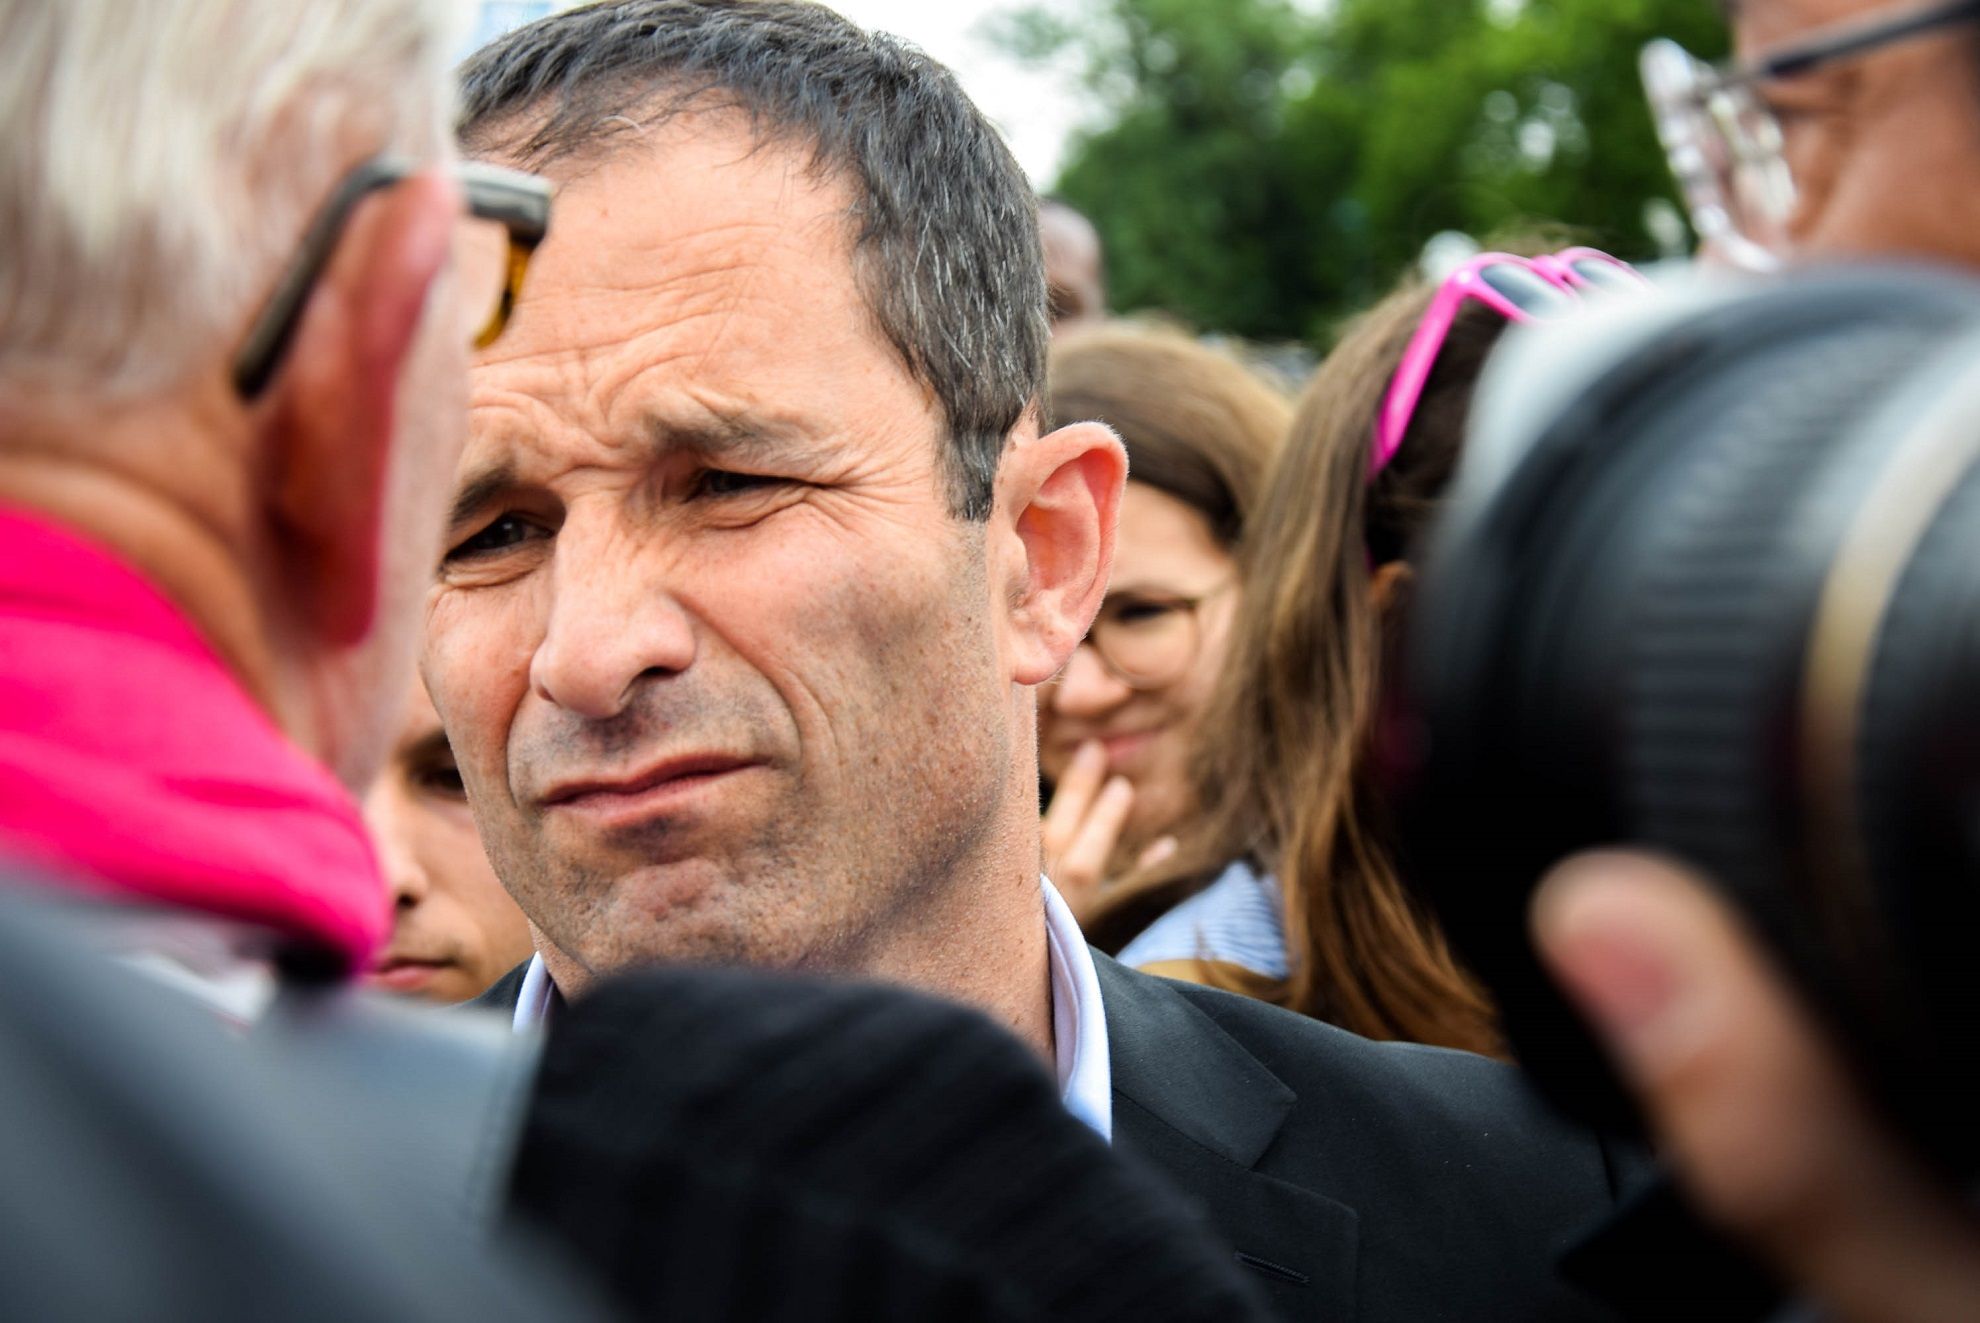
[1751, 1107]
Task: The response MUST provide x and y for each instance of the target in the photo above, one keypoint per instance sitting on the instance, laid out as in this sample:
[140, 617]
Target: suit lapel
[502, 993]
[1190, 1099]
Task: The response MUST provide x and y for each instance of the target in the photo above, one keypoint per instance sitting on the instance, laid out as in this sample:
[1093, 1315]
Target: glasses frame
[1681, 90]
[1189, 605]
[519, 202]
[1468, 282]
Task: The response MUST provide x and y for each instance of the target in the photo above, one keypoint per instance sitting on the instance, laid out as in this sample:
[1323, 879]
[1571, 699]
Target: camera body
[1708, 582]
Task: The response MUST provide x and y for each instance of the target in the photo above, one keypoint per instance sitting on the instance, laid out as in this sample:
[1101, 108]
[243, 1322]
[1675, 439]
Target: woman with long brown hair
[1287, 804]
[1115, 729]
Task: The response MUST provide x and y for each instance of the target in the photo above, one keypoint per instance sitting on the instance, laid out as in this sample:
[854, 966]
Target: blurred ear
[1388, 585]
[330, 417]
[1058, 501]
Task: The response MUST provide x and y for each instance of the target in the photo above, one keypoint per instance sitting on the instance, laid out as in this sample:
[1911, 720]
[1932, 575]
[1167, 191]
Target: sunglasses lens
[481, 268]
[1605, 275]
[1526, 291]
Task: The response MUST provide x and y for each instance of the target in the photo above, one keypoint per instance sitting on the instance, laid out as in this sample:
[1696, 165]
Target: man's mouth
[657, 789]
[404, 974]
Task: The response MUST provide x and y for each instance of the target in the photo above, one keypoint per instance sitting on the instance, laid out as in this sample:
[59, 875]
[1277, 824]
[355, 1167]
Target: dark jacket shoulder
[1373, 1180]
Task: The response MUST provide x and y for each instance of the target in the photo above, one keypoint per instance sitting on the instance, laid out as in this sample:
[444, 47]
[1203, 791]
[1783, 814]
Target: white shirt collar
[1079, 1021]
[535, 998]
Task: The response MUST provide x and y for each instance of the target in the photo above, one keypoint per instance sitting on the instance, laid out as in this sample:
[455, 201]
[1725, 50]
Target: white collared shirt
[1079, 1021]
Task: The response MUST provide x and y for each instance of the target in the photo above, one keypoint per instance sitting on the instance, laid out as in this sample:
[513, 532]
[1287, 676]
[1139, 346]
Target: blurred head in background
[1075, 267]
[454, 929]
[1281, 776]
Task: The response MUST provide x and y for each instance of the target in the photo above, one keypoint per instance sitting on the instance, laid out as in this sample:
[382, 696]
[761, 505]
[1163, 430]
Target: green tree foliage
[1263, 167]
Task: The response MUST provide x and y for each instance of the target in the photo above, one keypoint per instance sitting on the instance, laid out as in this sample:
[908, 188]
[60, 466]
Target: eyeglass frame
[1426, 344]
[519, 202]
[1839, 41]
[1179, 601]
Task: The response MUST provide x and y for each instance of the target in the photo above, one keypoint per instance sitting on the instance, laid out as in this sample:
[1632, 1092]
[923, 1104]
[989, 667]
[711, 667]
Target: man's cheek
[467, 694]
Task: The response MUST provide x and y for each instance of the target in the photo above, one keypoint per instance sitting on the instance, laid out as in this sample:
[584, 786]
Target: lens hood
[1708, 583]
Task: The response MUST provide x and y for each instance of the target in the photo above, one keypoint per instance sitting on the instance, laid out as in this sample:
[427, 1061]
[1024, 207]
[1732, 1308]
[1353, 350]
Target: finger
[1160, 850]
[1073, 798]
[1083, 865]
[1755, 1111]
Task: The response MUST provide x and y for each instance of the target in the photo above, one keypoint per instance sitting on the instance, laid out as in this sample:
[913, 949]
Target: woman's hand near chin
[1082, 827]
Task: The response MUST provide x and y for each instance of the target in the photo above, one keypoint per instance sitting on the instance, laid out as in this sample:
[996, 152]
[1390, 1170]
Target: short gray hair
[158, 161]
[946, 228]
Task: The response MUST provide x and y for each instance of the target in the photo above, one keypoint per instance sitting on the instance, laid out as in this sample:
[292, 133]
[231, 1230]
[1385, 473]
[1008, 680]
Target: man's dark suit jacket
[1363, 1182]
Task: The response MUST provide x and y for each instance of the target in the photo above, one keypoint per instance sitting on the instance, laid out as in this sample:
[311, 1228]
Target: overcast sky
[1035, 109]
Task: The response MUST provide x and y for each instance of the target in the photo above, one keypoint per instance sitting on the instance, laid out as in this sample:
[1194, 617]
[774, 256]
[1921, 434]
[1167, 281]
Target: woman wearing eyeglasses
[1285, 805]
[1114, 727]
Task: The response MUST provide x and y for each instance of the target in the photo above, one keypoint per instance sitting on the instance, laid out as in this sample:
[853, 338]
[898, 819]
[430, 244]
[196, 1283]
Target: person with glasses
[239, 275]
[1115, 725]
[229, 398]
[1840, 129]
[1284, 773]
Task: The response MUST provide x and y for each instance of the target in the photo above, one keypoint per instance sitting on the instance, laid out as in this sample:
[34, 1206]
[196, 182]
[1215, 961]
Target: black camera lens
[1709, 583]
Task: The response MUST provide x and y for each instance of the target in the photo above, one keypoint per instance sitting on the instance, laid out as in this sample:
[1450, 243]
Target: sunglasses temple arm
[1412, 374]
[1865, 38]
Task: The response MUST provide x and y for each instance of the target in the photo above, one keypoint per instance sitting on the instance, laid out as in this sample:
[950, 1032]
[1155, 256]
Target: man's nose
[1086, 688]
[385, 813]
[611, 623]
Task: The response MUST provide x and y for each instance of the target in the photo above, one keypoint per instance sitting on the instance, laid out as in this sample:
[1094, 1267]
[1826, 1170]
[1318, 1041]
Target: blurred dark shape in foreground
[1706, 586]
[159, 1168]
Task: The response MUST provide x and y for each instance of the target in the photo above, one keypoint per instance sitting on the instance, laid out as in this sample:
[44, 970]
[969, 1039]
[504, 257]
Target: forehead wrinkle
[718, 430]
[706, 427]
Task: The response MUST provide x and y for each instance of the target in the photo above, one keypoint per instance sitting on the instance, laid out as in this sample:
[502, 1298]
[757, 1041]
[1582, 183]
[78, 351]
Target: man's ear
[1061, 494]
[330, 417]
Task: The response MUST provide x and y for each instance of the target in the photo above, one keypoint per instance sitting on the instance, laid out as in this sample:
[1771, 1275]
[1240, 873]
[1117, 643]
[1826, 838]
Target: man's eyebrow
[737, 437]
[478, 490]
[729, 436]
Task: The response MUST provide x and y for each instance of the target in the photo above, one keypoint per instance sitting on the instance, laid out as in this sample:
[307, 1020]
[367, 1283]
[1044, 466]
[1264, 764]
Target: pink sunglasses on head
[1520, 289]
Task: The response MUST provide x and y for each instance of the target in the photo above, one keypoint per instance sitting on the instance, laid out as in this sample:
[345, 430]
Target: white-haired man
[231, 369]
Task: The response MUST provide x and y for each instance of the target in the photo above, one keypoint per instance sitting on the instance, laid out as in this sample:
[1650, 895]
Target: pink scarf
[133, 764]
